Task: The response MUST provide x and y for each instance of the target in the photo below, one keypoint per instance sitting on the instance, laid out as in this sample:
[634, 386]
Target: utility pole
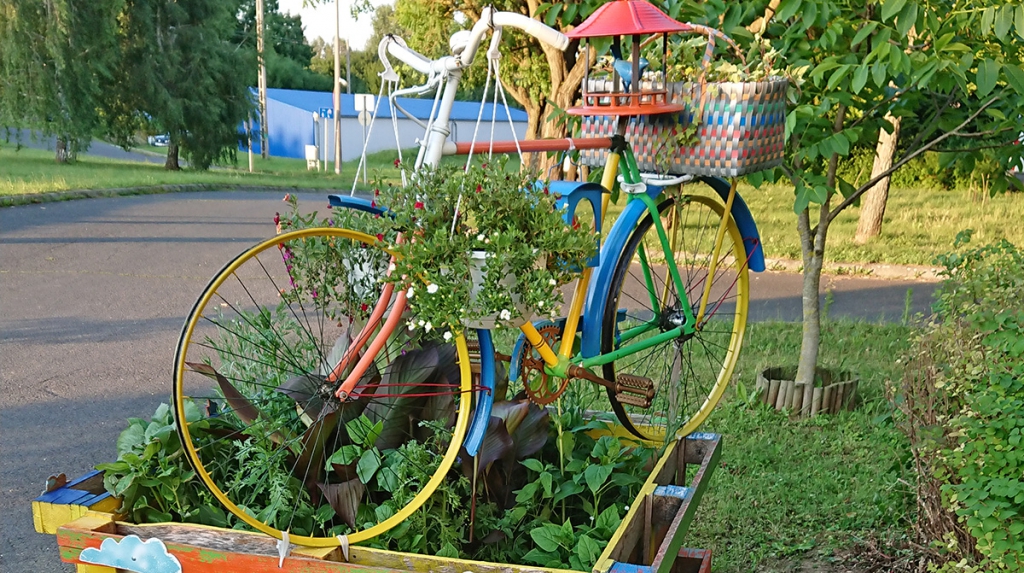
[348, 61]
[337, 87]
[262, 81]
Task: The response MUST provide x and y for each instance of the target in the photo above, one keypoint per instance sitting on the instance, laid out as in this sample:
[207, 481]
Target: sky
[318, 20]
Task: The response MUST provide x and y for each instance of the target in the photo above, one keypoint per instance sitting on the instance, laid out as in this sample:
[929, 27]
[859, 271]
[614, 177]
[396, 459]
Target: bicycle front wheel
[684, 377]
[255, 392]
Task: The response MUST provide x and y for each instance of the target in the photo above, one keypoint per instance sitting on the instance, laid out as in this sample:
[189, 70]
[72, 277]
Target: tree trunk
[872, 204]
[812, 245]
[172, 158]
[61, 150]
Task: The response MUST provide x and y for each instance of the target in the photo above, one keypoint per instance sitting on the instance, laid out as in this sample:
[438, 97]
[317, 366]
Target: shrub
[963, 402]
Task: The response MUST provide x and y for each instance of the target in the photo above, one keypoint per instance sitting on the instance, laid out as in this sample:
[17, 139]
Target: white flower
[447, 336]
[412, 325]
[627, 508]
[552, 282]
[480, 237]
[421, 323]
[410, 292]
[540, 304]
[427, 327]
[432, 288]
[391, 268]
[591, 518]
[505, 314]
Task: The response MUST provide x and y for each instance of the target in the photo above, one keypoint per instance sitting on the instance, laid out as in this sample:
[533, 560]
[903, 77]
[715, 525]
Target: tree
[322, 65]
[541, 78]
[872, 205]
[56, 59]
[180, 71]
[287, 53]
[960, 77]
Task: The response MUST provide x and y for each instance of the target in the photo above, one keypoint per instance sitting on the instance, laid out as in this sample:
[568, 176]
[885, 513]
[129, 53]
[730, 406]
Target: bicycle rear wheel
[255, 403]
[686, 375]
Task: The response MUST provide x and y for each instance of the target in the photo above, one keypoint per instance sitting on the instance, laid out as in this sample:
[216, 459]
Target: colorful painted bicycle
[295, 359]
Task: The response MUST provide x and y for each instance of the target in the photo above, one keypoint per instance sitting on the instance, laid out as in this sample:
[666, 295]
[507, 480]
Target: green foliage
[287, 54]
[56, 65]
[152, 476]
[865, 62]
[178, 71]
[506, 219]
[983, 463]
[961, 400]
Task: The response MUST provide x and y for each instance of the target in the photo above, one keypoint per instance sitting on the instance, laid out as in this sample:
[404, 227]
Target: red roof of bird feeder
[627, 18]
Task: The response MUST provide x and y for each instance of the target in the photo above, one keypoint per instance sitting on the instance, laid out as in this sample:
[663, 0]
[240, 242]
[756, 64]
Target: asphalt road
[34, 140]
[93, 294]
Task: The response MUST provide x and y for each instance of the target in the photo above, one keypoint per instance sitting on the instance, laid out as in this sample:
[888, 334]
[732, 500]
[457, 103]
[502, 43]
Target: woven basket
[742, 129]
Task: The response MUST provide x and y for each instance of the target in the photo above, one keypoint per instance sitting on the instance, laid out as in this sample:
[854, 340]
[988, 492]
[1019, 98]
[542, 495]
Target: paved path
[93, 294]
[98, 148]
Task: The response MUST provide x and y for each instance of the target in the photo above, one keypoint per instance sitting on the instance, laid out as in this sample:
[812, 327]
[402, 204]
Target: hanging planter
[833, 391]
[478, 271]
[485, 247]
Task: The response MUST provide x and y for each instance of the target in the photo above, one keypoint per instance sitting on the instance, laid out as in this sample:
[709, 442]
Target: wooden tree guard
[777, 389]
[649, 539]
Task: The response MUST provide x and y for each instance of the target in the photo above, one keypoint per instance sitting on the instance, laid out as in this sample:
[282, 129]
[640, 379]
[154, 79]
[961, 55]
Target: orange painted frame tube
[533, 145]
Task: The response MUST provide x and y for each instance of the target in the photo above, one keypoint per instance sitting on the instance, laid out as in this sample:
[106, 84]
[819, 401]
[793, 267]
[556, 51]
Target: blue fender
[601, 279]
[600, 282]
[569, 195]
[484, 399]
[745, 222]
[356, 203]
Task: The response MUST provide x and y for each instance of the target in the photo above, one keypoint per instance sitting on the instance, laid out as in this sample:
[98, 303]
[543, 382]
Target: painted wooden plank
[240, 551]
[669, 550]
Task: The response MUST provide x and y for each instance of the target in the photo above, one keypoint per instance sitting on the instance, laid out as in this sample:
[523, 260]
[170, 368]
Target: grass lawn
[31, 171]
[919, 223]
[797, 495]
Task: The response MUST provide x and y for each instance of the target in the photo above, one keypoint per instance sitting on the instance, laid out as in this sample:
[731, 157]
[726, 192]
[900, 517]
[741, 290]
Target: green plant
[961, 399]
[488, 223]
[153, 478]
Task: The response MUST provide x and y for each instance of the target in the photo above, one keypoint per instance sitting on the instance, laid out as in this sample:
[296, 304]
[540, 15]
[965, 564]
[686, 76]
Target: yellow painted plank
[89, 568]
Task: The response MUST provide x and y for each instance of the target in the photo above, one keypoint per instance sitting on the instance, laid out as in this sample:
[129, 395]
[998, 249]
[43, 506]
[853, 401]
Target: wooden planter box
[649, 540]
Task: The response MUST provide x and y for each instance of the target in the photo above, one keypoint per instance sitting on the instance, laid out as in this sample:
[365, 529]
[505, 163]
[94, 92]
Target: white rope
[369, 133]
[394, 124]
[479, 119]
[492, 63]
[508, 112]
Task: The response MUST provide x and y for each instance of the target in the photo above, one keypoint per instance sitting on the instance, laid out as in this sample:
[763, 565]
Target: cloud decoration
[133, 554]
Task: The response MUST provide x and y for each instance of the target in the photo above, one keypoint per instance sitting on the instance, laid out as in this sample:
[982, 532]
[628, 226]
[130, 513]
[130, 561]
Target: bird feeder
[620, 95]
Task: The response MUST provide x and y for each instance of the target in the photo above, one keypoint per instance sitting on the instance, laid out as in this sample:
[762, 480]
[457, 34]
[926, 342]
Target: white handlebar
[489, 19]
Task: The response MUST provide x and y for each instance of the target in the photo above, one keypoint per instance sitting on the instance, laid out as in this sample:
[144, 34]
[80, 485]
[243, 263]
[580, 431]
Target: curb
[865, 270]
[57, 196]
[884, 271]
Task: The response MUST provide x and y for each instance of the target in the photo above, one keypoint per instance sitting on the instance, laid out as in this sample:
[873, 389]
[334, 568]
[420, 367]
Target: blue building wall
[291, 117]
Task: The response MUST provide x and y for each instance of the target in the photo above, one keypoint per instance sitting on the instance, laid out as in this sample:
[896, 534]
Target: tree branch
[906, 159]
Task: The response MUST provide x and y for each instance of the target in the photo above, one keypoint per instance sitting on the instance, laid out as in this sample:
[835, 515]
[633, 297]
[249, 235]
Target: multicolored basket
[742, 129]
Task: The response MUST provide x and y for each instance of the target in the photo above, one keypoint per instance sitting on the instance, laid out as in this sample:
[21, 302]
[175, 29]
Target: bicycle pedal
[629, 382]
[633, 400]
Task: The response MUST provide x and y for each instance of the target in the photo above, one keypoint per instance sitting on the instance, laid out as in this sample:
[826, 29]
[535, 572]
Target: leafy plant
[524, 248]
[962, 400]
[152, 477]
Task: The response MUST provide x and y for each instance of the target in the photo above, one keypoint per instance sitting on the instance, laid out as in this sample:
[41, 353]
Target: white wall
[382, 135]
